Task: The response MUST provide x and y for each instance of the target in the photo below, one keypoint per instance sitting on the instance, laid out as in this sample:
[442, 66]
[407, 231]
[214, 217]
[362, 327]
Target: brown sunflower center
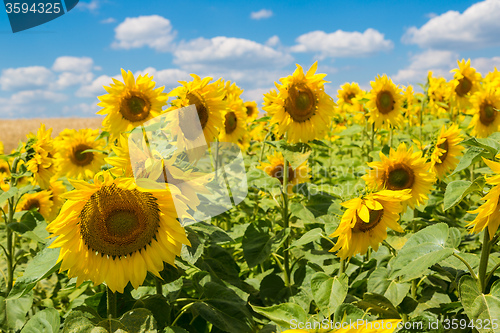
[119, 222]
[78, 157]
[30, 204]
[349, 98]
[251, 110]
[463, 87]
[375, 218]
[487, 114]
[444, 146]
[301, 102]
[3, 169]
[399, 177]
[385, 102]
[279, 172]
[135, 107]
[201, 108]
[231, 122]
[188, 119]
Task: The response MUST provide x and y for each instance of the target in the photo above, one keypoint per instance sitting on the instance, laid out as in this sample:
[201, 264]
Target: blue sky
[58, 69]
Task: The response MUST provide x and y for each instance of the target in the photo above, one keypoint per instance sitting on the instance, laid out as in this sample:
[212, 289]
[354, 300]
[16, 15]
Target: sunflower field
[369, 211]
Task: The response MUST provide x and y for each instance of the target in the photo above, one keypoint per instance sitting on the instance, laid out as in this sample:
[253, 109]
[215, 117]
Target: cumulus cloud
[68, 79]
[273, 41]
[153, 31]
[261, 14]
[25, 78]
[73, 64]
[485, 65]
[109, 20]
[81, 109]
[438, 61]
[90, 6]
[166, 77]
[95, 88]
[226, 52]
[342, 43]
[476, 27]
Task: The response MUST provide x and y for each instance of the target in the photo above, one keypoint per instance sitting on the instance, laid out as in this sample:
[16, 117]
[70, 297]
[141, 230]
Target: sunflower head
[465, 83]
[447, 149]
[365, 221]
[40, 201]
[130, 103]
[42, 162]
[235, 121]
[276, 169]
[114, 231]
[402, 169]
[252, 110]
[385, 103]
[73, 158]
[301, 108]
[488, 214]
[485, 106]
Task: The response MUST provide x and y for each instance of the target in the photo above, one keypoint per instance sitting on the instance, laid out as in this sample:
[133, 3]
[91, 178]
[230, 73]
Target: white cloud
[73, 64]
[273, 41]
[37, 96]
[439, 62]
[153, 31]
[342, 43]
[25, 77]
[81, 109]
[226, 53]
[166, 77]
[476, 27]
[95, 88]
[68, 79]
[485, 65]
[109, 20]
[261, 14]
[90, 6]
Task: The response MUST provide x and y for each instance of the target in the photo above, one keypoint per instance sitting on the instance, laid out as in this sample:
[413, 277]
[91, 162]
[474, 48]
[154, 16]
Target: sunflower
[488, 214]
[403, 169]
[301, 109]
[56, 189]
[365, 221]
[4, 175]
[276, 169]
[71, 159]
[114, 232]
[446, 150]
[486, 119]
[439, 93]
[39, 200]
[252, 110]
[465, 82]
[42, 163]
[385, 103]
[348, 97]
[1, 147]
[130, 103]
[208, 99]
[235, 122]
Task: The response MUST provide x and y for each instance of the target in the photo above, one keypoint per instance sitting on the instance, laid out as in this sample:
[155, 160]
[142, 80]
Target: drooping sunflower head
[465, 81]
[276, 169]
[42, 163]
[40, 201]
[486, 119]
[447, 149]
[208, 98]
[73, 159]
[130, 103]
[365, 221]
[301, 108]
[114, 232]
[402, 169]
[252, 110]
[488, 214]
[385, 103]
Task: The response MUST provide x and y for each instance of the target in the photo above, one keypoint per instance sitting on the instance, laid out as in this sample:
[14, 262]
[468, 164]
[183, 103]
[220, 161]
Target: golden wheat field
[14, 130]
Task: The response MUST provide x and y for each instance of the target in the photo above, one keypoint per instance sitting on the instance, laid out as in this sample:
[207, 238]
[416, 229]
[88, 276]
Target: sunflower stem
[111, 303]
[467, 265]
[372, 143]
[159, 289]
[342, 267]
[391, 134]
[483, 263]
[286, 223]
[10, 234]
[414, 289]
